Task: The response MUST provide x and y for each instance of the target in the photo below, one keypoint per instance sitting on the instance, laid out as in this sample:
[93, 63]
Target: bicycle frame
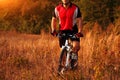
[68, 48]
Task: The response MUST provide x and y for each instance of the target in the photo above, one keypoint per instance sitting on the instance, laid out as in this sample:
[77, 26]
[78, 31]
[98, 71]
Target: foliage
[103, 11]
[31, 16]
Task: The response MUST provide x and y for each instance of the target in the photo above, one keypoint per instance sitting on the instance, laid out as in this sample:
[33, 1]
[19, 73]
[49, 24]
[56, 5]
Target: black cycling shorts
[63, 39]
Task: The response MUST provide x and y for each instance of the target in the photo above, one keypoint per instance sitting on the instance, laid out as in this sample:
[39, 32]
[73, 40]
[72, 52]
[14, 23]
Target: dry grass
[35, 57]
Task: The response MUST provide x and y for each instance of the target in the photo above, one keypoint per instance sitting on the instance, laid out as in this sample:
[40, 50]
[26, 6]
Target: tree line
[30, 16]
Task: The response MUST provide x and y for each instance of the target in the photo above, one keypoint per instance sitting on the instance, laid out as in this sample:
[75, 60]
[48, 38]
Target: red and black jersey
[67, 16]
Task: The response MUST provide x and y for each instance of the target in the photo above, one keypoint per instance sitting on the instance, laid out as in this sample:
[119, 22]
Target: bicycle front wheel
[63, 56]
[64, 59]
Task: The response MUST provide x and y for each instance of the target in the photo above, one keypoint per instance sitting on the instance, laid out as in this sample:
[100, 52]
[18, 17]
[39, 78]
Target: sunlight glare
[2, 0]
[4, 3]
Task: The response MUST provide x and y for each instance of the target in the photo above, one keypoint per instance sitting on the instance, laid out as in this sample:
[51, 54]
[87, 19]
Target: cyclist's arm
[79, 24]
[53, 24]
[79, 20]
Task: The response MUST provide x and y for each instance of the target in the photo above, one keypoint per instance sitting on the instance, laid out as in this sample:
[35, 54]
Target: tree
[101, 11]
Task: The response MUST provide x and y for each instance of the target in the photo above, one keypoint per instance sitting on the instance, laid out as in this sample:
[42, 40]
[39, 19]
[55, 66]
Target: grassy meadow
[35, 57]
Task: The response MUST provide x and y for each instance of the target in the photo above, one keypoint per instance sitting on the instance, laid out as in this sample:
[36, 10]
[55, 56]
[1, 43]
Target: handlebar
[72, 36]
[68, 35]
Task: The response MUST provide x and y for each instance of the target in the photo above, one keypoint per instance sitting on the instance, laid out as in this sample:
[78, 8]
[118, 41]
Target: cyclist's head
[65, 2]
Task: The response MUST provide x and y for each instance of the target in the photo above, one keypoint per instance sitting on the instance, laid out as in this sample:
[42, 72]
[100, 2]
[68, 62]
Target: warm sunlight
[9, 3]
[3, 0]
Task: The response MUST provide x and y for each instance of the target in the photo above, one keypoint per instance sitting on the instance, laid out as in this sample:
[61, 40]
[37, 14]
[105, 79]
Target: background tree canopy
[30, 16]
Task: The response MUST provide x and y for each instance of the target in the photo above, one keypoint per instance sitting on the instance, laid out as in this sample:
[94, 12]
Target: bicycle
[68, 59]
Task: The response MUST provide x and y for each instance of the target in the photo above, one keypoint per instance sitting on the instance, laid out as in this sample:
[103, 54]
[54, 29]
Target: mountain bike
[67, 59]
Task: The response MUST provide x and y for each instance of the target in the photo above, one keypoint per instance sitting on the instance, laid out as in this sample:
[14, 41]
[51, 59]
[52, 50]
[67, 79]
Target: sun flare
[9, 3]
[3, 0]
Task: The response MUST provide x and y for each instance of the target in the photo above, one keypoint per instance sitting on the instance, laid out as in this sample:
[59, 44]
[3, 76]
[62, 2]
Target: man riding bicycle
[70, 21]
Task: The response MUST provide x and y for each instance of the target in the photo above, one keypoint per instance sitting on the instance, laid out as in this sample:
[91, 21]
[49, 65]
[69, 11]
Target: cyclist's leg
[76, 47]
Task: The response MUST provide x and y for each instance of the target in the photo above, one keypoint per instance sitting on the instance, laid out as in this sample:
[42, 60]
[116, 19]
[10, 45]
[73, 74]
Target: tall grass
[35, 57]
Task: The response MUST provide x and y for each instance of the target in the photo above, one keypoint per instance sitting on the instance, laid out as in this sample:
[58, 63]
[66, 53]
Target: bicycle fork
[67, 60]
[68, 48]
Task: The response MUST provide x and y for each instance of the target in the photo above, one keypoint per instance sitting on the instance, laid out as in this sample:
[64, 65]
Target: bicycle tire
[63, 58]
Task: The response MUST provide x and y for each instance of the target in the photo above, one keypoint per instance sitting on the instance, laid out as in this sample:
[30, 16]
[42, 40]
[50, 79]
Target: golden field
[35, 57]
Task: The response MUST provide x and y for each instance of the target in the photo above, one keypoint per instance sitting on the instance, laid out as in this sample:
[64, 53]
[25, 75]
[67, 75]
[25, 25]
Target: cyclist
[70, 21]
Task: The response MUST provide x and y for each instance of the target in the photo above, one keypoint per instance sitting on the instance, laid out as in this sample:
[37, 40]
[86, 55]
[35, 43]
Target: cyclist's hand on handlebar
[54, 33]
[78, 35]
